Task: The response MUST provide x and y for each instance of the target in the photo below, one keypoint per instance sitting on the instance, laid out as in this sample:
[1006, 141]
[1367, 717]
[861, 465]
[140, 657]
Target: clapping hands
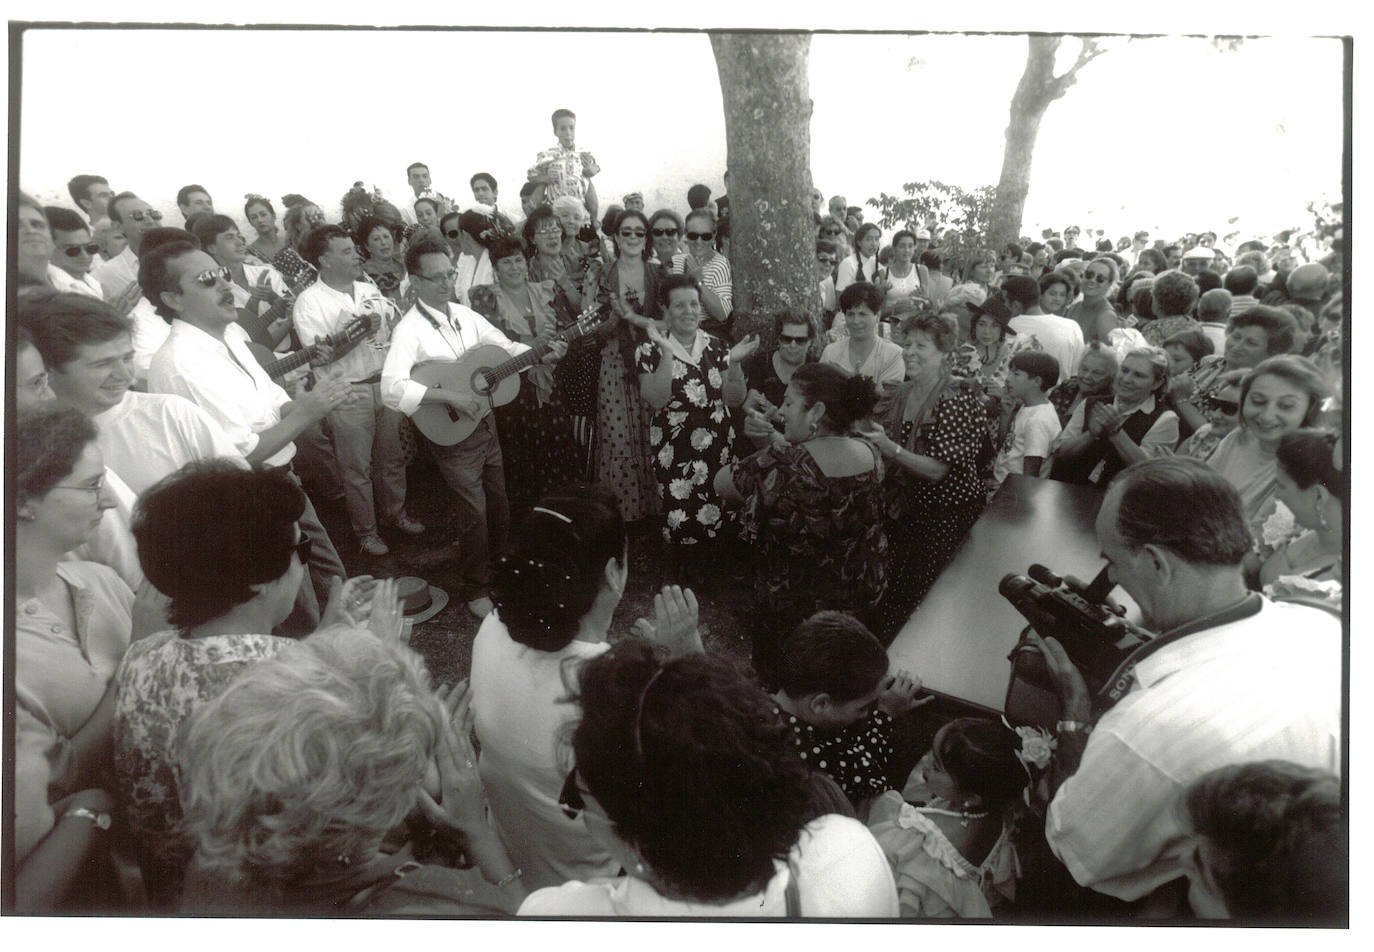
[675, 622]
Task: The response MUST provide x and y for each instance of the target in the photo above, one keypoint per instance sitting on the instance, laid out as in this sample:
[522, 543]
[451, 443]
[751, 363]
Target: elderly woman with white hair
[294, 775]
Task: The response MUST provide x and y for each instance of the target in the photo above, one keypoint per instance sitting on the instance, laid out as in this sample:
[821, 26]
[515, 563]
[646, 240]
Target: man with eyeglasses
[206, 360]
[73, 253]
[367, 434]
[436, 329]
[118, 277]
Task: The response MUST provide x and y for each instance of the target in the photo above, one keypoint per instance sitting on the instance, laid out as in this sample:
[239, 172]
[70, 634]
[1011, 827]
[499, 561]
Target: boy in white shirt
[1036, 424]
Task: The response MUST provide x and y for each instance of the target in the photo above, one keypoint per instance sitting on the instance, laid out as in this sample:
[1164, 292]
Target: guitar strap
[439, 326]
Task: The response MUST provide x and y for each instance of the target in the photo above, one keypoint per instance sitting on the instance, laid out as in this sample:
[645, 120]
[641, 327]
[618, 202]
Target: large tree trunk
[1037, 89]
[765, 87]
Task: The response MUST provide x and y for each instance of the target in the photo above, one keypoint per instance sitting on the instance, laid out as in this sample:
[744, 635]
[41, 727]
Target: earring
[811, 435]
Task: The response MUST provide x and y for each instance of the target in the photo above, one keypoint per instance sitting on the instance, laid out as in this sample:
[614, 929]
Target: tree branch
[1090, 51]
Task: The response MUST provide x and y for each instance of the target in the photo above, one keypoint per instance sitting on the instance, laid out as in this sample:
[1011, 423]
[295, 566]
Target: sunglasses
[1096, 276]
[700, 235]
[1228, 407]
[830, 232]
[151, 213]
[302, 549]
[789, 339]
[75, 251]
[570, 797]
[828, 262]
[665, 232]
[209, 276]
[632, 233]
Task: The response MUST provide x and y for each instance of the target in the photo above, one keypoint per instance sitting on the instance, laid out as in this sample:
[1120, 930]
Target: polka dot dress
[856, 757]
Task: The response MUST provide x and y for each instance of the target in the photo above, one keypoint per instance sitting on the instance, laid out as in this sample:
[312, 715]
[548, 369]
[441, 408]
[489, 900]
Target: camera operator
[1232, 678]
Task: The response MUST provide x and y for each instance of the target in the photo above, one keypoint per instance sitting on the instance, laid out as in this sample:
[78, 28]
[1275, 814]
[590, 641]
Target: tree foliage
[958, 218]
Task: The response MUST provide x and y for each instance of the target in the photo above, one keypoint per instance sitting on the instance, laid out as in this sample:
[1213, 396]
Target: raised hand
[386, 618]
[744, 348]
[348, 602]
[330, 393]
[463, 806]
[659, 337]
[675, 621]
[124, 301]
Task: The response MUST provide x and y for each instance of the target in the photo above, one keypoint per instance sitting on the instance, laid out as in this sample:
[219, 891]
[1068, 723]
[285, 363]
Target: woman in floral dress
[689, 378]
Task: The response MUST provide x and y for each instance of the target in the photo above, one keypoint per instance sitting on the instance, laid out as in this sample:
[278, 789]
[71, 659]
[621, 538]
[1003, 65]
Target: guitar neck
[494, 375]
[284, 365]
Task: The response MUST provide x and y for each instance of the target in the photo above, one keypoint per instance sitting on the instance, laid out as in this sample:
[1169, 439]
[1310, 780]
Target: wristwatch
[100, 820]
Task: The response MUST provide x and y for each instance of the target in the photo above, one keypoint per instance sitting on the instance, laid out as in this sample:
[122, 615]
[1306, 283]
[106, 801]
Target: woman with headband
[555, 595]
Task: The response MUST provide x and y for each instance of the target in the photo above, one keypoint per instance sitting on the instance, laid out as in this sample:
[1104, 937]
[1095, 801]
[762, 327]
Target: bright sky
[1257, 133]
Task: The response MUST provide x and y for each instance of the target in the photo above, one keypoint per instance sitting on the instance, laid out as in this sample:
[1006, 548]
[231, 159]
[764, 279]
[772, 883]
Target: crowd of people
[212, 718]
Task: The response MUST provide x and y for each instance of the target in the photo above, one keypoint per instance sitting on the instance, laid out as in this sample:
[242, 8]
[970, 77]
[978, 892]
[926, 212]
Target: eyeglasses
[98, 486]
[789, 339]
[632, 233]
[1228, 407]
[830, 232]
[302, 549]
[665, 232]
[1096, 276]
[547, 230]
[75, 251]
[700, 235]
[210, 276]
[570, 797]
[152, 213]
[444, 276]
[828, 261]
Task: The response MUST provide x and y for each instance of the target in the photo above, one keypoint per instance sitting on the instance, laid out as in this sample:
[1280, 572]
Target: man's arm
[1075, 711]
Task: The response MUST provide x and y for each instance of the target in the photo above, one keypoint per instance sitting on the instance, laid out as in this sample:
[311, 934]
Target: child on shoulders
[562, 169]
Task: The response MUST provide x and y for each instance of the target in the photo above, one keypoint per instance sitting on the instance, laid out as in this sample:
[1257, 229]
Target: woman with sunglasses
[862, 266]
[695, 788]
[258, 211]
[223, 544]
[1102, 438]
[1278, 396]
[831, 230]
[711, 270]
[665, 227]
[1094, 313]
[628, 287]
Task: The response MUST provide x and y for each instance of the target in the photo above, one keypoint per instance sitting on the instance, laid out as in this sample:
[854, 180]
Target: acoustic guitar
[486, 372]
[279, 365]
[257, 325]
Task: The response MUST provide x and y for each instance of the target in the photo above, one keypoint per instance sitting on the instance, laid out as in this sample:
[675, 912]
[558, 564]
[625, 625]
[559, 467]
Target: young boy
[1185, 349]
[562, 170]
[1036, 424]
[836, 696]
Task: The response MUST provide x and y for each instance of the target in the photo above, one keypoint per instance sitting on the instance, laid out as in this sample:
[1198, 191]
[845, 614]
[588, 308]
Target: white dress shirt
[321, 310]
[417, 340]
[150, 330]
[1059, 337]
[85, 284]
[149, 436]
[118, 273]
[224, 380]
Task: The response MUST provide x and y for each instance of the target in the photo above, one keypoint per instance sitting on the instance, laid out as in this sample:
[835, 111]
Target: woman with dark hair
[1102, 438]
[1056, 290]
[377, 241]
[900, 279]
[691, 380]
[473, 266]
[1152, 261]
[537, 445]
[860, 349]
[555, 594]
[804, 564]
[1173, 296]
[1251, 336]
[295, 774]
[710, 269]
[260, 214]
[548, 261]
[934, 432]
[1280, 395]
[1094, 313]
[694, 786]
[862, 265]
[628, 286]
[951, 848]
[666, 229]
[72, 625]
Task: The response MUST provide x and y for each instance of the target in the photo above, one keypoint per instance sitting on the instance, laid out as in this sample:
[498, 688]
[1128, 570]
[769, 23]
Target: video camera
[1094, 634]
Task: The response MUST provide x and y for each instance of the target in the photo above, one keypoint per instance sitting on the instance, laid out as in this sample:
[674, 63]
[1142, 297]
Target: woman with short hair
[377, 240]
[695, 786]
[1102, 438]
[294, 775]
[1253, 335]
[1311, 485]
[711, 270]
[1173, 295]
[1096, 371]
[1094, 313]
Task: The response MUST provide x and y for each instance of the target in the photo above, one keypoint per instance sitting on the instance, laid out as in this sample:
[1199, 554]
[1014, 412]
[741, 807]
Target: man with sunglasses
[206, 360]
[73, 253]
[136, 218]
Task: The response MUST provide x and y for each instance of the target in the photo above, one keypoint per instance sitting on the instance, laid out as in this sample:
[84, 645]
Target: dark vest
[1079, 469]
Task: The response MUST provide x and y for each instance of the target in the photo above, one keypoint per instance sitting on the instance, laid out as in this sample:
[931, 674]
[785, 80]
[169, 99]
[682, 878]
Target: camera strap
[1123, 678]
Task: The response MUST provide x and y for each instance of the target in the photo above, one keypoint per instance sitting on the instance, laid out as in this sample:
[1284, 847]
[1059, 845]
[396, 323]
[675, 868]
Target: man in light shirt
[92, 194]
[256, 287]
[205, 359]
[437, 330]
[367, 439]
[194, 200]
[73, 253]
[118, 277]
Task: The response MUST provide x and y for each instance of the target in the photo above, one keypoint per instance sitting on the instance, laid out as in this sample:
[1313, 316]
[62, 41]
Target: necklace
[963, 816]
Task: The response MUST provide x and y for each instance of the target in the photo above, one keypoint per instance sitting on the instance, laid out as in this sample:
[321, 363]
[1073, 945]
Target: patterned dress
[537, 446]
[818, 542]
[691, 439]
[856, 757]
[162, 681]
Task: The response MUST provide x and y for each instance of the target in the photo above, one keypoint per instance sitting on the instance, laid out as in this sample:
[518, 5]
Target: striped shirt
[1233, 694]
[715, 275]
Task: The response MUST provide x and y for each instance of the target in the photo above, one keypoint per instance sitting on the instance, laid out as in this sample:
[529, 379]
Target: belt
[375, 378]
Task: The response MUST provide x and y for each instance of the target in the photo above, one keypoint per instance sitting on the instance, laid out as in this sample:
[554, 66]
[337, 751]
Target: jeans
[367, 444]
[473, 471]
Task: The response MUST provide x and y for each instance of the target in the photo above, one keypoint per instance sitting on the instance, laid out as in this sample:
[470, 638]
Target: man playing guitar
[367, 440]
[437, 330]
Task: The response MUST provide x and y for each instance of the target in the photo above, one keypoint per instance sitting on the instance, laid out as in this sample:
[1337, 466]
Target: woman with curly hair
[693, 784]
[302, 217]
[382, 261]
[294, 775]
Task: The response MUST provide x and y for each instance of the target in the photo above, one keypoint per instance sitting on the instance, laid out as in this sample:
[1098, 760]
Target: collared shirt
[85, 284]
[118, 273]
[1159, 440]
[417, 340]
[885, 363]
[1233, 694]
[150, 329]
[1057, 336]
[148, 436]
[224, 380]
[321, 310]
[471, 271]
[849, 271]
[112, 543]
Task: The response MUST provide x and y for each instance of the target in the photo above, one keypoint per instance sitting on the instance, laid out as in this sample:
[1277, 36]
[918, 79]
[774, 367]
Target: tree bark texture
[765, 88]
